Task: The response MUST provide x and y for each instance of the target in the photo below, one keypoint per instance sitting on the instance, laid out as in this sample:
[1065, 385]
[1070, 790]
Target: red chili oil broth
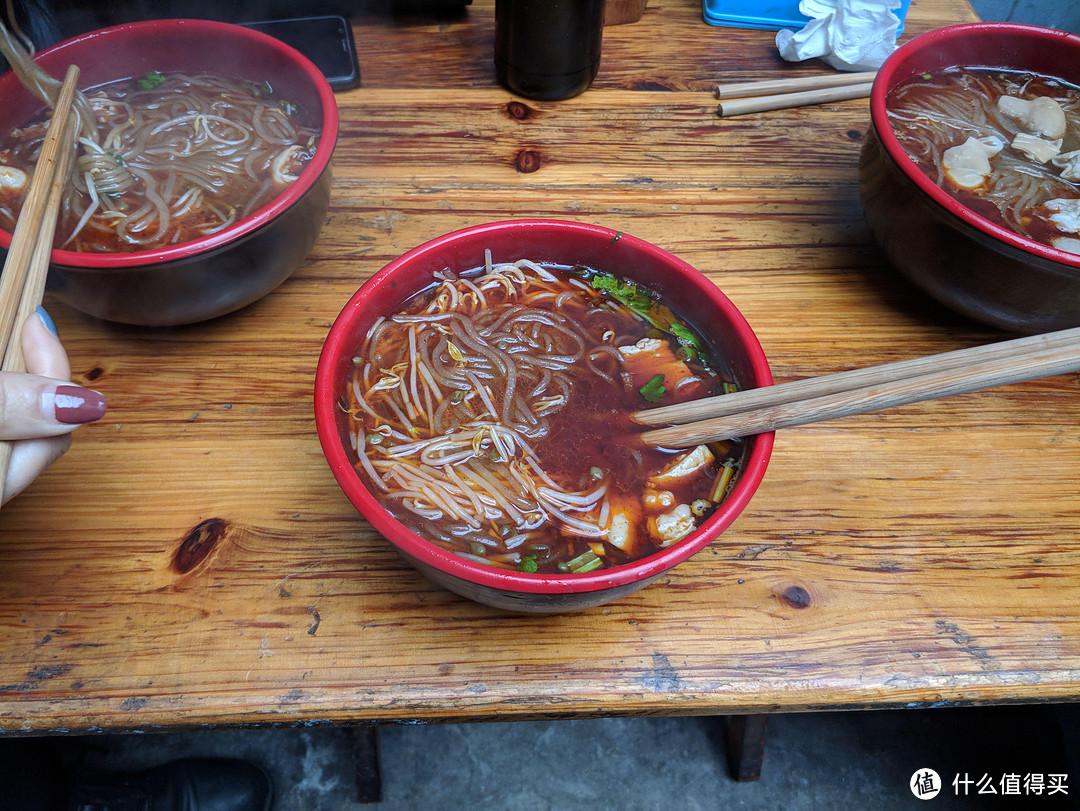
[595, 438]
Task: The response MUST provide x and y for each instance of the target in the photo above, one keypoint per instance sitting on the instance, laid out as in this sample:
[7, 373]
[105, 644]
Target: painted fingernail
[46, 319]
[74, 405]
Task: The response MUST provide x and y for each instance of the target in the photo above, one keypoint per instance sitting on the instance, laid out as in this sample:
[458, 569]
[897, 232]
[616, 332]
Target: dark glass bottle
[547, 49]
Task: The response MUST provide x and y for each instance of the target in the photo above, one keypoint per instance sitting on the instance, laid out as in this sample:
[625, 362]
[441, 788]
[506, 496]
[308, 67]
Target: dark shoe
[190, 784]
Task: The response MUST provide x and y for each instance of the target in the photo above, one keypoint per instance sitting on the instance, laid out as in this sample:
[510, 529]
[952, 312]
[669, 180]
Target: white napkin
[848, 34]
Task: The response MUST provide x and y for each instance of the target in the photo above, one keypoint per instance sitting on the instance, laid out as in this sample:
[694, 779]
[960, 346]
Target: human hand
[39, 409]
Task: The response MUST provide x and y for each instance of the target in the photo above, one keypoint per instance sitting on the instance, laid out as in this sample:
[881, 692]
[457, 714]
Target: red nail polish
[75, 405]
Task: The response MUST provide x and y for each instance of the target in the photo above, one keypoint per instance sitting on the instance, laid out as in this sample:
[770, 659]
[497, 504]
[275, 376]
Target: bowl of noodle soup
[970, 172]
[203, 180]
[473, 401]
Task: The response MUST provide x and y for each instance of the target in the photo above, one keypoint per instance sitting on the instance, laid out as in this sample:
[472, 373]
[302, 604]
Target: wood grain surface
[191, 561]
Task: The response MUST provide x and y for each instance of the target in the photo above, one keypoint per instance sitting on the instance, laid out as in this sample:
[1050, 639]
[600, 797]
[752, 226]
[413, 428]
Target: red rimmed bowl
[686, 290]
[968, 263]
[208, 277]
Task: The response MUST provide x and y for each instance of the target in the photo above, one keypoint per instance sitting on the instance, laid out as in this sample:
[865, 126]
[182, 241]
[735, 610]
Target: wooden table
[921, 556]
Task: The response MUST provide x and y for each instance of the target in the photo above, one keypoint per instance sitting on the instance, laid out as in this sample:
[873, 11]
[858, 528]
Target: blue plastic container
[770, 15]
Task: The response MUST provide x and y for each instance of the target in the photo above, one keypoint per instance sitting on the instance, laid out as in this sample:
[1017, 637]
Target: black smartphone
[327, 41]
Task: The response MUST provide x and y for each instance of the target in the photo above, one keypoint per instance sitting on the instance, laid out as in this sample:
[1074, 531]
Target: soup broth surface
[492, 416]
[1005, 144]
[178, 157]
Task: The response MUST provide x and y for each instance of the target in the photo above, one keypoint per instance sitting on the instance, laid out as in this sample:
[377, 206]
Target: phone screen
[327, 41]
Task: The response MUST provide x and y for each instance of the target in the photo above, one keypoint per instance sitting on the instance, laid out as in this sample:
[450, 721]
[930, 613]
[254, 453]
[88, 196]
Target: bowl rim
[884, 81]
[328, 133]
[342, 334]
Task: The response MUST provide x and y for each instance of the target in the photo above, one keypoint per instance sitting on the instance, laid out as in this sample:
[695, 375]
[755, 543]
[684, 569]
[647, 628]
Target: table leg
[368, 767]
[745, 739]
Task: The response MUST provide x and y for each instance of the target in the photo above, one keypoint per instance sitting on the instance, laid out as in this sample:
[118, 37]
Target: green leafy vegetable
[591, 566]
[654, 389]
[585, 562]
[689, 344]
[639, 301]
[150, 80]
[624, 292]
[288, 107]
[685, 335]
[528, 564]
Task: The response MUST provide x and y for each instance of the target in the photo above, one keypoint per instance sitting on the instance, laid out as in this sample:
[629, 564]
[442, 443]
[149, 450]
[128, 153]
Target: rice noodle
[459, 387]
[941, 110]
[183, 158]
[483, 461]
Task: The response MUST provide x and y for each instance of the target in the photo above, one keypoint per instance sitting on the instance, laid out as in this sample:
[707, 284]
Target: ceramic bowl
[968, 263]
[208, 277]
[687, 290]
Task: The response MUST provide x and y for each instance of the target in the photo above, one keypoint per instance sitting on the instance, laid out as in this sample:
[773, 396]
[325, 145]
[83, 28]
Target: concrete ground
[848, 760]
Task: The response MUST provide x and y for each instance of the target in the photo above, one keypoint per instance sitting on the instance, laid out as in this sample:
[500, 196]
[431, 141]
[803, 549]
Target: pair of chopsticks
[22, 284]
[858, 391]
[777, 94]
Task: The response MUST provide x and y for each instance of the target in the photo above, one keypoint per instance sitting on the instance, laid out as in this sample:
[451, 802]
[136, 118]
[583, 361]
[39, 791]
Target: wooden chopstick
[34, 284]
[20, 265]
[22, 283]
[810, 387]
[859, 391]
[780, 101]
[772, 87]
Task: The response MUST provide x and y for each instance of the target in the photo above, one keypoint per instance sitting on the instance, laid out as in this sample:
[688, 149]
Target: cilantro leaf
[685, 336]
[654, 389]
[151, 80]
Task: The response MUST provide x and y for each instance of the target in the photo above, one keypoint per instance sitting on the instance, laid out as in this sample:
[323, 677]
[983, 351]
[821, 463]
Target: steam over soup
[492, 417]
[176, 157]
[1006, 144]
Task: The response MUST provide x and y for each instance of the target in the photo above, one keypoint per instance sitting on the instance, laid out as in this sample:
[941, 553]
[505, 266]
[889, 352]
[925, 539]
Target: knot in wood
[518, 111]
[796, 597]
[198, 544]
[527, 161]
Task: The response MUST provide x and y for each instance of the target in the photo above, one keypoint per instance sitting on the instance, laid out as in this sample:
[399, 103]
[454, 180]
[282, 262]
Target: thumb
[36, 406]
[42, 350]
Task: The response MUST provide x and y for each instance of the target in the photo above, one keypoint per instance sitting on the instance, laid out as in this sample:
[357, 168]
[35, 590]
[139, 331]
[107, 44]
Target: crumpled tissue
[852, 35]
